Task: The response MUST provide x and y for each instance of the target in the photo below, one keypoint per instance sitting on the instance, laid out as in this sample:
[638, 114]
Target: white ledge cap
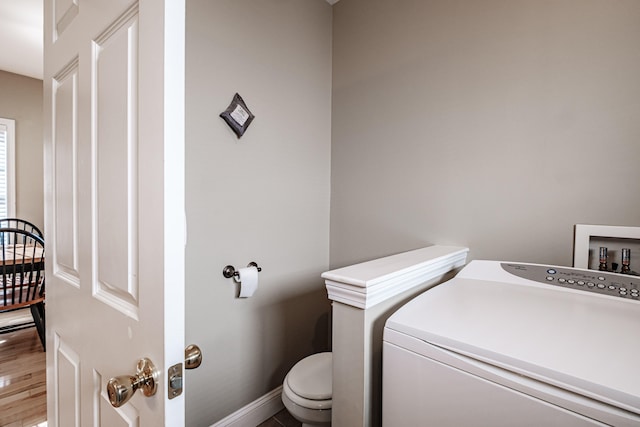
[369, 283]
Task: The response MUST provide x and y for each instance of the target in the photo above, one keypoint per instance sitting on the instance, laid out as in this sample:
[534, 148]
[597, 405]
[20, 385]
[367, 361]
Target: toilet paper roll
[248, 279]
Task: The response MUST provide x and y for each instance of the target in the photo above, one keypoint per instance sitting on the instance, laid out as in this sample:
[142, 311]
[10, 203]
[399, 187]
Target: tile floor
[281, 419]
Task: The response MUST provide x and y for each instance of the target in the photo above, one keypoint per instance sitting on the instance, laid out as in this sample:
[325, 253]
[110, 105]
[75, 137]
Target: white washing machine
[508, 344]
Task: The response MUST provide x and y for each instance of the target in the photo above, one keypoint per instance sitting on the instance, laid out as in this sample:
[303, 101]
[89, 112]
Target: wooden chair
[22, 281]
[21, 224]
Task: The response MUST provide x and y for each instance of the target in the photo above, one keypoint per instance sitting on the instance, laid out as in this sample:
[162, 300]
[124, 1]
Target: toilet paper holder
[229, 271]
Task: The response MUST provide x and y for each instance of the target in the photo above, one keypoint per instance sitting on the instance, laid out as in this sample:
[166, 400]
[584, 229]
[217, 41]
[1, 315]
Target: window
[7, 168]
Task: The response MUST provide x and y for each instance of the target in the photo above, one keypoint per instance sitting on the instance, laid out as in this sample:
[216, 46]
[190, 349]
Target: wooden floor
[23, 399]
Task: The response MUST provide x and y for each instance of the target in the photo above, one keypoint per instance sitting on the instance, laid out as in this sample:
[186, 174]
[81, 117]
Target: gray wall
[496, 125]
[21, 100]
[263, 198]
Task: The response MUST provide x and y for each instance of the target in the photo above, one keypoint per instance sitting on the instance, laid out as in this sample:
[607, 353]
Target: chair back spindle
[22, 280]
[21, 224]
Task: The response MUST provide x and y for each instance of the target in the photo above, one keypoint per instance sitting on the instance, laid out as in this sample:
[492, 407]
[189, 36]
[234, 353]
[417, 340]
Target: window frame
[9, 126]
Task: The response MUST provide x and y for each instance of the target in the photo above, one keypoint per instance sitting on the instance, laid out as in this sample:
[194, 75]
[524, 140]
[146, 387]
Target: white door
[114, 205]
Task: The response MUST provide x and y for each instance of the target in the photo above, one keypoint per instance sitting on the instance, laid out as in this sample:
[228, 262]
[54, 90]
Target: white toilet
[307, 388]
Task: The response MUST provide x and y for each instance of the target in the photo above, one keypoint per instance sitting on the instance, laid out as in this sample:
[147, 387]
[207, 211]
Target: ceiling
[21, 35]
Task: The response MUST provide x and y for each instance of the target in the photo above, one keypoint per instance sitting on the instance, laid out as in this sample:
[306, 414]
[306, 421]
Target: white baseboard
[255, 412]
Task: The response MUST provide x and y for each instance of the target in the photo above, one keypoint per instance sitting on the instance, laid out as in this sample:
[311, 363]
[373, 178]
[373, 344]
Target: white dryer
[512, 344]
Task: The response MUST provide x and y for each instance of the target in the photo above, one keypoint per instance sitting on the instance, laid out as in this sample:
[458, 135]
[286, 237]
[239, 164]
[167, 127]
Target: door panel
[114, 205]
[115, 96]
[65, 101]
[67, 375]
[65, 12]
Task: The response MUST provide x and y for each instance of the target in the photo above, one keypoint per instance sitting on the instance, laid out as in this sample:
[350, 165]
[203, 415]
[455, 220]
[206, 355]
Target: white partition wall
[364, 295]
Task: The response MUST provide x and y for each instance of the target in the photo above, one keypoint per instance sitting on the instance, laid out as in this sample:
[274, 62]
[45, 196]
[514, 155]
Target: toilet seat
[302, 402]
[309, 384]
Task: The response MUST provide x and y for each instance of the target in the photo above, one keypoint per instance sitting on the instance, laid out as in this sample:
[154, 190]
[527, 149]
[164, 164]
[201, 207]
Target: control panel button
[604, 283]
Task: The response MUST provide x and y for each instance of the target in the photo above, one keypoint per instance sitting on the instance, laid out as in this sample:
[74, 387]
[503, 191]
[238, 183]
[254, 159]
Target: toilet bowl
[306, 390]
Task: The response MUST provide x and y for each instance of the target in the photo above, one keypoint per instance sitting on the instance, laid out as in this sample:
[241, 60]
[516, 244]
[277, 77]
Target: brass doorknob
[120, 389]
[192, 356]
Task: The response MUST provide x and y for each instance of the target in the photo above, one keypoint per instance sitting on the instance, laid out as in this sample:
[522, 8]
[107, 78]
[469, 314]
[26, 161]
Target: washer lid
[311, 377]
[578, 341]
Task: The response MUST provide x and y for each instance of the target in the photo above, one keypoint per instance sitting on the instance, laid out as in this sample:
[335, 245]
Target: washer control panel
[600, 282]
